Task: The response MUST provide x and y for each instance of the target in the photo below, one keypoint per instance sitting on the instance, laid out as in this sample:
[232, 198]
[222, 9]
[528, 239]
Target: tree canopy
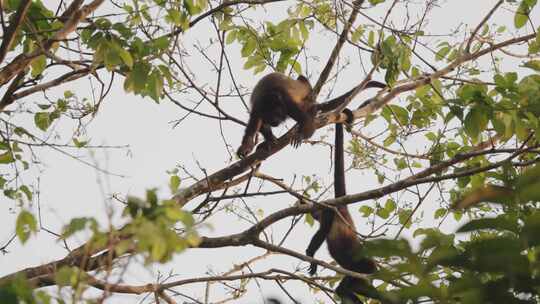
[442, 167]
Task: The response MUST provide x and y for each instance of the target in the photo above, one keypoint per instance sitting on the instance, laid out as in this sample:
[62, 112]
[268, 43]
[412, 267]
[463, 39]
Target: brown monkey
[275, 97]
[340, 234]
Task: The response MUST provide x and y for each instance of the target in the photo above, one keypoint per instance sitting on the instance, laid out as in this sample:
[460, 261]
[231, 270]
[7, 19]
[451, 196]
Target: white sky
[70, 189]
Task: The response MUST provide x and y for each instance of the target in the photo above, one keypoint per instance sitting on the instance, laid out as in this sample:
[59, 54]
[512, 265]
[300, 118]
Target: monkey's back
[278, 84]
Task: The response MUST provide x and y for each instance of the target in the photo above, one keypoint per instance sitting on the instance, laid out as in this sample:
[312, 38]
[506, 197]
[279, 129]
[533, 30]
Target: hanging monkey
[340, 234]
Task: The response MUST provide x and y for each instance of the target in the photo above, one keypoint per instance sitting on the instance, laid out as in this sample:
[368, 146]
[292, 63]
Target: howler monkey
[337, 227]
[275, 97]
[340, 233]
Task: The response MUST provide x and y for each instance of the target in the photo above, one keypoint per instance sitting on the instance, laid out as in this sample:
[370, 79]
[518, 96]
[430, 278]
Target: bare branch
[486, 18]
[337, 49]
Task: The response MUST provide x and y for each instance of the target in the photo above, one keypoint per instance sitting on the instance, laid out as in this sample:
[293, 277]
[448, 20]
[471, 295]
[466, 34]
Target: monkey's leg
[248, 141]
[266, 131]
[364, 265]
[345, 291]
[350, 287]
[269, 138]
[327, 217]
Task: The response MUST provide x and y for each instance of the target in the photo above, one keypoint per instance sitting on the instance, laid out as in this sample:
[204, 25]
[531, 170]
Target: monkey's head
[304, 80]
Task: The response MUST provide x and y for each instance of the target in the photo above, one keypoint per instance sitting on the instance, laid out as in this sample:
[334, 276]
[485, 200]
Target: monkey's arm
[305, 117]
[269, 138]
[327, 217]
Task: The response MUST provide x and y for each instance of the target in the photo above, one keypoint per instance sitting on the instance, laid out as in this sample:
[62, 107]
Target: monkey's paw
[312, 269]
[244, 150]
[307, 129]
[265, 146]
[297, 140]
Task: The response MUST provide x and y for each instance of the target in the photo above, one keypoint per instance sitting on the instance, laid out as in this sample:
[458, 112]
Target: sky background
[68, 188]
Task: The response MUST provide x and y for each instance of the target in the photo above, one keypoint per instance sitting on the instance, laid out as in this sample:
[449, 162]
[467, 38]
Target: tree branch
[14, 26]
[337, 48]
[23, 60]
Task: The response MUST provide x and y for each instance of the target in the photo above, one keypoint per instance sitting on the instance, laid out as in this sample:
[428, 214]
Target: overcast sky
[68, 188]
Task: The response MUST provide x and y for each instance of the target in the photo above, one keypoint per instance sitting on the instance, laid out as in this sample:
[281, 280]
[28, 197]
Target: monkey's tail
[336, 102]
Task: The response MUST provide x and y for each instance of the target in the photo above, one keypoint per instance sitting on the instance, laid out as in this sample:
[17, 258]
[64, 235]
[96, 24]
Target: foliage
[452, 141]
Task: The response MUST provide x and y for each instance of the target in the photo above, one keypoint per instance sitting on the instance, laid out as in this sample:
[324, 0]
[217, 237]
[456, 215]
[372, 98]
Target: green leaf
[297, 67]
[389, 140]
[442, 53]
[390, 205]
[26, 192]
[158, 249]
[155, 85]
[38, 65]
[68, 276]
[371, 38]
[309, 219]
[76, 225]
[6, 158]
[161, 43]
[497, 254]
[139, 76]
[439, 213]
[191, 7]
[401, 163]
[400, 114]
[530, 229]
[475, 122]
[528, 185]
[404, 217]
[303, 30]
[249, 47]
[42, 297]
[388, 248]
[498, 223]
[126, 57]
[533, 64]
[383, 213]
[522, 14]
[357, 34]
[366, 211]
[173, 16]
[151, 196]
[42, 120]
[174, 183]
[231, 36]
[174, 213]
[485, 193]
[79, 143]
[26, 224]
